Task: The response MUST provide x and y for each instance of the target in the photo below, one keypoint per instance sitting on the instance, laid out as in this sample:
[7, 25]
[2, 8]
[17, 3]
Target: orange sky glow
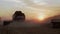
[33, 9]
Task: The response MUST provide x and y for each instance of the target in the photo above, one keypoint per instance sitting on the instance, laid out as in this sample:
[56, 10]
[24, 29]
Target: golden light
[41, 16]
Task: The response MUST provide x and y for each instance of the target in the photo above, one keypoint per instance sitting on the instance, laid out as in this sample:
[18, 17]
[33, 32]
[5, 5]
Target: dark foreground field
[29, 30]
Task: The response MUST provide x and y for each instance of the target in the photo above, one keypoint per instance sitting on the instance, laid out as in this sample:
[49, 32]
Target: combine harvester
[17, 16]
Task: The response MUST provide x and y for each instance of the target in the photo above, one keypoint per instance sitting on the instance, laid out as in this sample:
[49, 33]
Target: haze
[31, 8]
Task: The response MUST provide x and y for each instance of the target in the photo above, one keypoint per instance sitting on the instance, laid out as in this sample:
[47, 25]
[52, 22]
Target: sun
[41, 16]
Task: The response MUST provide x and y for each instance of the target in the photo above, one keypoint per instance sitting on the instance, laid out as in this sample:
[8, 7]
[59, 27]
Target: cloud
[12, 0]
[15, 1]
[39, 2]
[42, 3]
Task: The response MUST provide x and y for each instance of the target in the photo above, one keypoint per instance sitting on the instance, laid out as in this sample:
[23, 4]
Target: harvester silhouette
[17, 16]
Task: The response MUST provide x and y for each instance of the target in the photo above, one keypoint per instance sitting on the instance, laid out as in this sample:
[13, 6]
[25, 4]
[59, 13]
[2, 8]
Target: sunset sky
[31, 8]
